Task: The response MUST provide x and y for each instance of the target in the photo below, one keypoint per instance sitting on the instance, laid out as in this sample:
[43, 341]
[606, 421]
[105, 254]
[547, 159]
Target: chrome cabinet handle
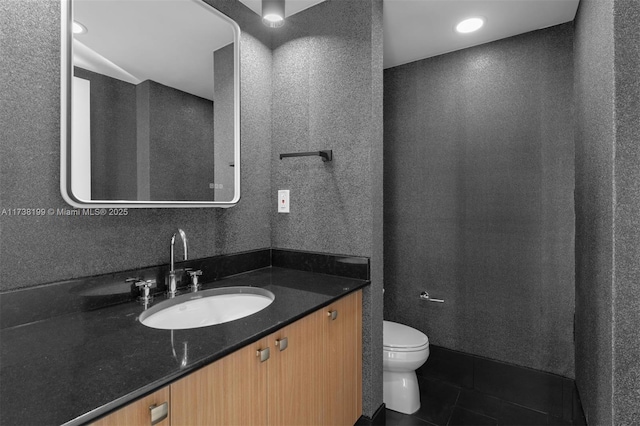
[263, 354]
[282, 343]
[333, 315]
[159, 413]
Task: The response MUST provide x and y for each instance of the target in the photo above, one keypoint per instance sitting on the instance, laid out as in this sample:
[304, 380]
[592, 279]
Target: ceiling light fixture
[78, 28]
[273, 13]
[470, 25]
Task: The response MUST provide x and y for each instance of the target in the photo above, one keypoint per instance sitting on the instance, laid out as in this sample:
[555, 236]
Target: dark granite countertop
[74, 368]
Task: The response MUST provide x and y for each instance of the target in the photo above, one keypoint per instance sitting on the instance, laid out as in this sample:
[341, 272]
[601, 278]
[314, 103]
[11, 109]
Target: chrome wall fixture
[327, 155]
[425, 296]
[273, 13]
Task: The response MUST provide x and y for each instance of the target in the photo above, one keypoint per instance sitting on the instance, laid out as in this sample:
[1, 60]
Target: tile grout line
[455, 404]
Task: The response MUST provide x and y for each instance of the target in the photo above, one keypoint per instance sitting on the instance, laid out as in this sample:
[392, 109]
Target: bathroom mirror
[150, 104]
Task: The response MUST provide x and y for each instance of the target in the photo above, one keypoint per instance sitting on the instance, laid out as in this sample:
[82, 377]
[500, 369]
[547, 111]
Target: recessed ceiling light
[273, 13]
[78, 28]
[273, 18]
[470, 25]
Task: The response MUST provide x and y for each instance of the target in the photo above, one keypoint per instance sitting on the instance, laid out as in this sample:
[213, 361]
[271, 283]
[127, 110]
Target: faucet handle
[140, 282]
[144, 285]
[195, 285]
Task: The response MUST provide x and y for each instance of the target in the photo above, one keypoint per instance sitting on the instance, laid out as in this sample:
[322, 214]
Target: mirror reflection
[154, 102]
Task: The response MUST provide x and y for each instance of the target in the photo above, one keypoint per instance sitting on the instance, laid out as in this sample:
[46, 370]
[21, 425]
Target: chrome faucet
[171, 292]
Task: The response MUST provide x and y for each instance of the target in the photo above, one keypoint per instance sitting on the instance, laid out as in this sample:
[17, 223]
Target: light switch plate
[283, 201]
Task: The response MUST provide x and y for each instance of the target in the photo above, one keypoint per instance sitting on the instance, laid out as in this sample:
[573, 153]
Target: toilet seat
[412, 349]
[401, 338]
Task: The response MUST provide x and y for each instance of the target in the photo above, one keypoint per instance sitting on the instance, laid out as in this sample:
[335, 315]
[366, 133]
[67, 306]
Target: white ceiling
[170, 42]
[418, 29]
[158, 35]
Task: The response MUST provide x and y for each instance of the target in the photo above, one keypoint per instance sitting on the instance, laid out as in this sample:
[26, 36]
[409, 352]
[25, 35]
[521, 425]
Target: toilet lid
[400, 336]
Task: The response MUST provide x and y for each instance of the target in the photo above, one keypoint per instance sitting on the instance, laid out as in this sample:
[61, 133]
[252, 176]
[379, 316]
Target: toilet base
[401, 391]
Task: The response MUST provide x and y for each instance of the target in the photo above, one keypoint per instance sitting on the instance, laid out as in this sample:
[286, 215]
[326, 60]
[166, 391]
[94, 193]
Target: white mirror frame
[66, 86]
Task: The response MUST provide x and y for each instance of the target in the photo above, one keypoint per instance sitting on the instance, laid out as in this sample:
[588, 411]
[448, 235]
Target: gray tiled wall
[627, 216]
[594, 80]
[327, 94]
[479, 183]
[607, 210]
[180, 131]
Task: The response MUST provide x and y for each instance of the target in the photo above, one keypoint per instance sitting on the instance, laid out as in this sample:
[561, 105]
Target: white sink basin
[207, 307]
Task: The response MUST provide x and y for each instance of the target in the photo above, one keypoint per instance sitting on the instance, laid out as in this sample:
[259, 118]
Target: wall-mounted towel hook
[327, 155]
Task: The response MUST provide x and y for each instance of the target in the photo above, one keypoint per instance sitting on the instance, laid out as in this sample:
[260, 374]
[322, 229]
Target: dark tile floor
[444, 404]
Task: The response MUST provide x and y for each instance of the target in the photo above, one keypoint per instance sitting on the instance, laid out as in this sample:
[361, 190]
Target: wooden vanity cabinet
[244, 388]
[312, 375]
[343, 361]
[138, 413]
[229, 391]
[296, 373]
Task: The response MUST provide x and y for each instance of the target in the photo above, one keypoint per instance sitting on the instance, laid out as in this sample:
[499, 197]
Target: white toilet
[405, 350]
